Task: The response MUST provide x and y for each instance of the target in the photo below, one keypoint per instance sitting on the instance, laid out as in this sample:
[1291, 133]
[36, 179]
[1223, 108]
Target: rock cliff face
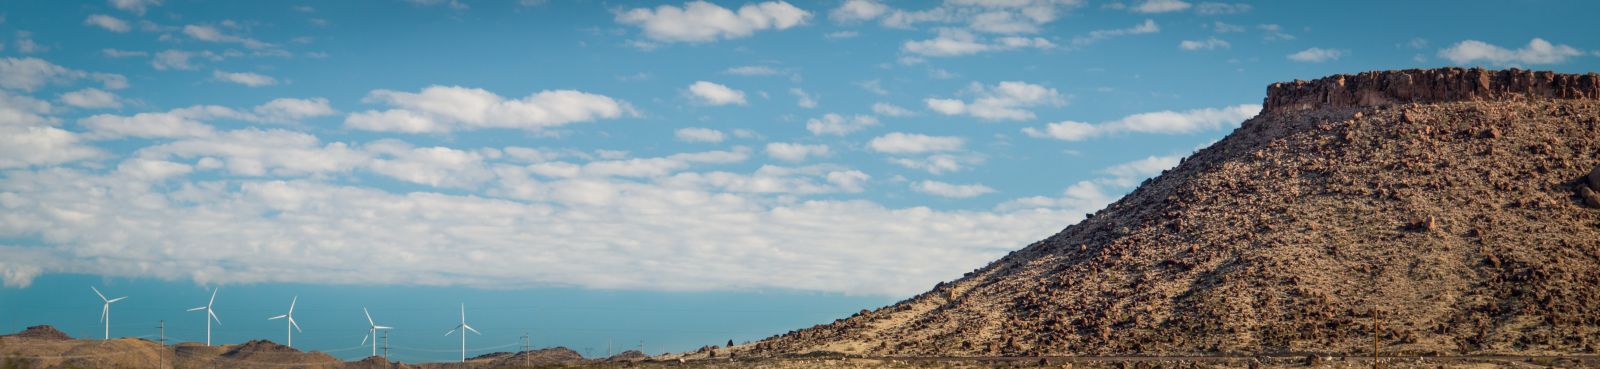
[1448, 200]
[1427, 86]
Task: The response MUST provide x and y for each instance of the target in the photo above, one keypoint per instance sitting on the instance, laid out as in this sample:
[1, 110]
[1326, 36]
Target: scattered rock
[41, 332]
[1594, 178]
[1589, 197]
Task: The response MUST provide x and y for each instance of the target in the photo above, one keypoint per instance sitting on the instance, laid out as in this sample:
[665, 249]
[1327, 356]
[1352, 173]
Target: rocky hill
[1449, 206]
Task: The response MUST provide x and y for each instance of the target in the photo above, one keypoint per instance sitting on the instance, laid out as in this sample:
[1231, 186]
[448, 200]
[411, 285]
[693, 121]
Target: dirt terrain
[1446, 211]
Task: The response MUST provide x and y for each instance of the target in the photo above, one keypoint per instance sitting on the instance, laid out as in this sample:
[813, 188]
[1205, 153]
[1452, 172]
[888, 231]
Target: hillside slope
[1449, 200]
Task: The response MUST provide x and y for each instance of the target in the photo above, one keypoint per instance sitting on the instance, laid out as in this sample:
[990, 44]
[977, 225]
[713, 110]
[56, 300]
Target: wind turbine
[463, 327]
[292, 324]
[105, 310]
[372, 331]
[210, 315]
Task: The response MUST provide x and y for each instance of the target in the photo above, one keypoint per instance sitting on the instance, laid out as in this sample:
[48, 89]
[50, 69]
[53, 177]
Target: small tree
[730, 343]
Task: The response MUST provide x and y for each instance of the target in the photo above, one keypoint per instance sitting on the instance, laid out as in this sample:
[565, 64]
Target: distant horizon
[672, 172]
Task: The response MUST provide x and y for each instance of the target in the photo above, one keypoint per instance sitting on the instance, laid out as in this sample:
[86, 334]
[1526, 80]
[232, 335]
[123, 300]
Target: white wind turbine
[292, 325]
[372, 332]
[210, 315]
[463, 327]
[105, 310]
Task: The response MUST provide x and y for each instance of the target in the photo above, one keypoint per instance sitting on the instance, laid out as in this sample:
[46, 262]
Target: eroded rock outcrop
[1428, 86]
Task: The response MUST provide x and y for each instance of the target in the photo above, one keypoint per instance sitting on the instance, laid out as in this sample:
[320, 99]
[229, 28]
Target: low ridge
[1446, 204]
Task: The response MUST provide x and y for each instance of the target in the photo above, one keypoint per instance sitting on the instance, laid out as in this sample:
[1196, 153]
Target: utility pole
[525, 353]
[608, 347]
[163, 340]
[385, 345]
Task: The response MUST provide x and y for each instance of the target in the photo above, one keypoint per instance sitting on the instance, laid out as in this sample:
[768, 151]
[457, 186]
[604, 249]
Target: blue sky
[677, 173]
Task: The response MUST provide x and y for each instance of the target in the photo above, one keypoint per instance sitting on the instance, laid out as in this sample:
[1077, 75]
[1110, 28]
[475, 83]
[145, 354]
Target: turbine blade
[451, 331]
[213, 315]
[116, 299]
[381, 327]
[463, 314]
[197, 309]
[291, 304]
[97, 293]
[105, 310]
[296, 325]
[369, 317]
[364, 339]
[277, 317]
[468, 327]
[213, 296]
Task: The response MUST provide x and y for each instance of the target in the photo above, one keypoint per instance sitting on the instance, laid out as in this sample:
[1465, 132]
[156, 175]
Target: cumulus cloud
[1007, 100]
[107, 22]
[91, 98]
[1538, 51]
[1206, 44]
[1149, 26]
[696, 134]
[1221, 8]
[939, 163]
[135, 6]
[700, 21]
[24, 146]
[1316, 55]
[1161, 122]
[995, 17]
[891, 110]
[855, 11]
[438, 109]
[839, 125]
[954, 191]
[793, 152]
[244, 78]
[212, 34]
[912, 143]
[28, 74]
[21, 110]
[191, 121]
[1160, 6]
[180, 59]
[710, 93]
[958, 42]
[803, 99]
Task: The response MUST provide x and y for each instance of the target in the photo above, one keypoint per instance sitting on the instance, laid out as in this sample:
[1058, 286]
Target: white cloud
[752, 70]
[1221, 27]
[107, 22]
[803, 99]
[958, 42]
[1316, 55]
[1149, 26]
[259, 153]
[891, 110]
[939, 163]
[1206, 44]
[244, 78]
[1004, 101]
[696, 134]
[793, 152]
[21, 110]
[999, 17]
[715, 94]
[1273, 32]
[180, 59]
[191, 121]
[115, 53]
[700, 21]
[1538, 51]
[912, 143]
[432, 166]
[134, 6]
[1161, 122]
[24, 146]
[839, 125]
[854, 11]
[954, 191]
[91, 98]
[438, 109]
[1160, 6]
[1221, 8]
[28, 74]
[26, 45]
[212, 34]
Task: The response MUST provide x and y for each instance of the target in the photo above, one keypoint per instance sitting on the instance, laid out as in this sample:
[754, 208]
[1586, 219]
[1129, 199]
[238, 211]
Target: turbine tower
[463, 327]
[105, 310]
[292, 325]
[210, 315]
[372, 332]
